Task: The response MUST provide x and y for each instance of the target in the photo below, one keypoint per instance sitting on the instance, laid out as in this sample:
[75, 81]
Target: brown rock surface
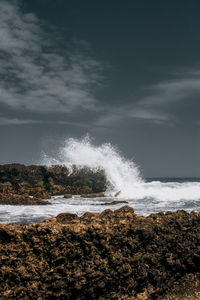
[112, 255]
[67, 196]
[24, 199]
[93, 195]
[42, 182]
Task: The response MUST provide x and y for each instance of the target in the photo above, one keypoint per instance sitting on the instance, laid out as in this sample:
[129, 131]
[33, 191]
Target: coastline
[33, 185]
[111, 255]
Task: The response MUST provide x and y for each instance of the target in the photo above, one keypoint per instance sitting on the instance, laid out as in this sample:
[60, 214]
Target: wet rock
[117, 194]
[93, 195]
[42, 182]
[16, 199]
[114, 202]
[67, 196]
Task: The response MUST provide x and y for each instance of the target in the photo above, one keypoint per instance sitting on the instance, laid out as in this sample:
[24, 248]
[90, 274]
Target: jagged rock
[66, 217]
[42, 182]
[111, 255]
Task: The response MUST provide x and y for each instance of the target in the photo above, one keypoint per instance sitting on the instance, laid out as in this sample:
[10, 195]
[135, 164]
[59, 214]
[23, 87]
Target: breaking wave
[123, 174]
[120, 172]
[145, 197]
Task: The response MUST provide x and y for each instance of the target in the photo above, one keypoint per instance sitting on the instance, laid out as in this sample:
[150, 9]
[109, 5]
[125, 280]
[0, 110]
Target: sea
[145, 195]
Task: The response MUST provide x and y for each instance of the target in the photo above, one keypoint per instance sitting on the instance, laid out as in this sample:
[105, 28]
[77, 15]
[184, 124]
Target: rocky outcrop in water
[21, 199]
[20, 184]
[111, 255]
[93, 195]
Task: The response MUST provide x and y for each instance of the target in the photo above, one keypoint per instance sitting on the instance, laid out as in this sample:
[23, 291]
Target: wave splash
[123, 174]
[120, 172]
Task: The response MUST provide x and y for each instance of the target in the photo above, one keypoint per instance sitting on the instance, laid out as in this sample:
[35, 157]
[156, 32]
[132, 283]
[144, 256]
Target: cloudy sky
[126, 72]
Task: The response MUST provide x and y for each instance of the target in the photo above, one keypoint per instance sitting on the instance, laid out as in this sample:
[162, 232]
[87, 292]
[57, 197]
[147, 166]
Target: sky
[124, 72]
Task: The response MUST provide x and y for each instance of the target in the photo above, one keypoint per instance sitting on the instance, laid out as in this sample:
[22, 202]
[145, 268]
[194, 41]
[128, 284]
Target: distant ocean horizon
[173, 179]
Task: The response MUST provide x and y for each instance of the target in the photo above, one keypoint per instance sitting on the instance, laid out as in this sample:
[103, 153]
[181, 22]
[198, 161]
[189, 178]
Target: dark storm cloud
[162, 103]
[125, 72]
[34, 77]
[166, 97]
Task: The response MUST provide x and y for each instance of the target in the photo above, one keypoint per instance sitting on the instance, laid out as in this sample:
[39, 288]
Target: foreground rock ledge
[111, 255]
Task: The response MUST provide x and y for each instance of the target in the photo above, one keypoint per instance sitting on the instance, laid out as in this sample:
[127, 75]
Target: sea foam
[123, 174]
[120, 172]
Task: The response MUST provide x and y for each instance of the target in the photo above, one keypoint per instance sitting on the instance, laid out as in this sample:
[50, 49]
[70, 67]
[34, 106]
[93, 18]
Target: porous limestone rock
[111, 255]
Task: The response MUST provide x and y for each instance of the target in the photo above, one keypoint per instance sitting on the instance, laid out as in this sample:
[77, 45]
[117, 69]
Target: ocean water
[146, 196]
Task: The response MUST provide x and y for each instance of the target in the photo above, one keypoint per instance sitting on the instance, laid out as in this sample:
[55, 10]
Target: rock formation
[21, 184]
[111, 255]
[93, 195]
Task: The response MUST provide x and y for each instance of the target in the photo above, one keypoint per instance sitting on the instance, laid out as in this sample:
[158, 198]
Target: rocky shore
[28, 185]
[111, 255]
